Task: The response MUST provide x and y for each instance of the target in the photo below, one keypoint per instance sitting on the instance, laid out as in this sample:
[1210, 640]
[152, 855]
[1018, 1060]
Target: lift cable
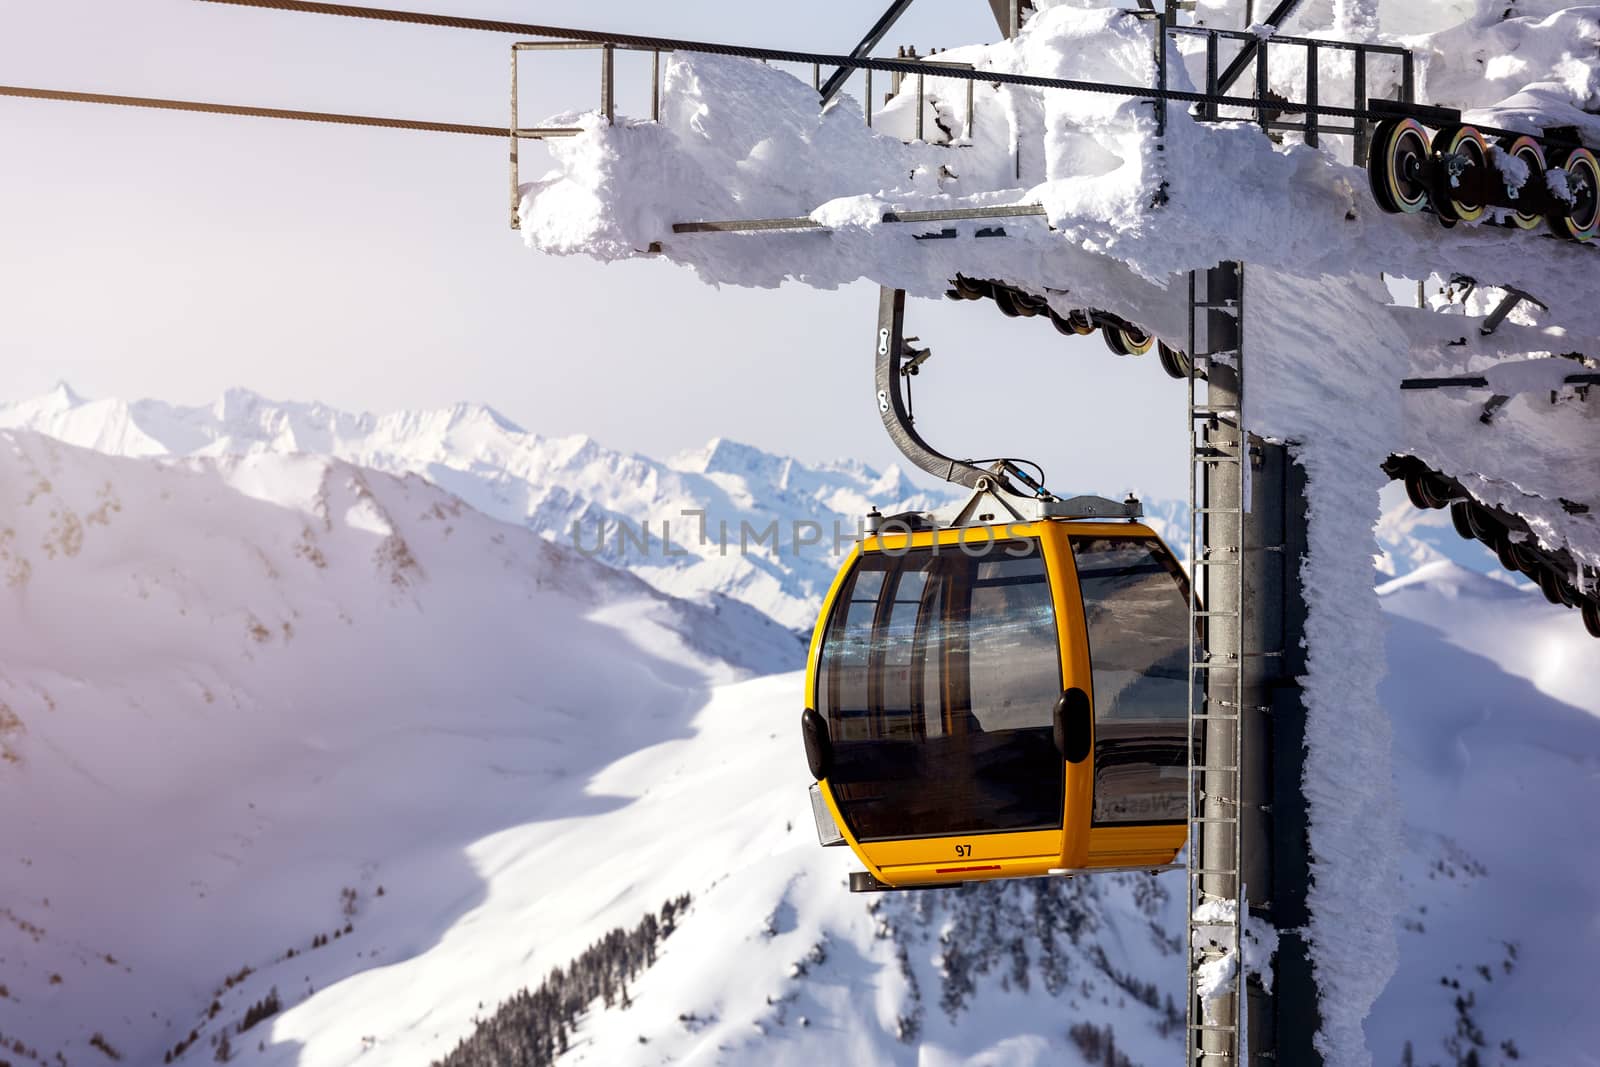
[252, 112]
[782, 55]
[1376, 110]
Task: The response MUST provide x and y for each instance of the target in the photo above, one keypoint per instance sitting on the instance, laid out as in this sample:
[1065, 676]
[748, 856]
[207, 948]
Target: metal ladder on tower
[1219, 458]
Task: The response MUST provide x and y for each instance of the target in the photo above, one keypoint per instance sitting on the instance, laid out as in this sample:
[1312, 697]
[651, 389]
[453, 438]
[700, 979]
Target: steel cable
[668, 44]
[253, 112]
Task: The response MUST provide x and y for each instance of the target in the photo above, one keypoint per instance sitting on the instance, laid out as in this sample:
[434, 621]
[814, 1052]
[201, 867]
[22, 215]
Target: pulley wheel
[1377, 174]
[1579, 218]
[1532, 155]
[1485, 527]
[1173, 361]
[1429, 490]
[1458, 518]
[1398, 166]
[1460, 167]
[1014, 303]
[1591, 616]
[1081, 323]
[1128, 339]
[1437, 490]
[1417, 491]
[1553, 588]
[970, 289]
[1005, 300]
[1506, 550]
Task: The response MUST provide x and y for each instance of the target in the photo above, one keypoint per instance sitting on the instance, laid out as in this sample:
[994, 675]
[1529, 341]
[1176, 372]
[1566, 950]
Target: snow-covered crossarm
[738, 140]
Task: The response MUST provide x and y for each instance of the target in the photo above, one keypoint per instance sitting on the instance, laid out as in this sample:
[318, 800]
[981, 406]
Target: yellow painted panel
[957, 849]
[967, 871]
[932, 860]
[1119, 846]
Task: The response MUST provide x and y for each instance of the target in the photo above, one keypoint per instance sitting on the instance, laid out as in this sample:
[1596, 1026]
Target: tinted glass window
[1015, 655]
[1136, 607]
[962, 672]
[899, 645]
[845, 659]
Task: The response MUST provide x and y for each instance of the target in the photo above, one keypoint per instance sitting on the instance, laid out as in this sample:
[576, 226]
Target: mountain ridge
[775, 527]
[561, 487]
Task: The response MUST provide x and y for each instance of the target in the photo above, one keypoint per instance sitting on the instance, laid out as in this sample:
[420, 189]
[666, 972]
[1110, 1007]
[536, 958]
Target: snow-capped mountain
[612, 505]
[725, 519]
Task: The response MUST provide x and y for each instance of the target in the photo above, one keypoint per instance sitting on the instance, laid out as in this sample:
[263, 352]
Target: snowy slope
[1495, 700]
[231, 689]
[777, 964]
[525, 750]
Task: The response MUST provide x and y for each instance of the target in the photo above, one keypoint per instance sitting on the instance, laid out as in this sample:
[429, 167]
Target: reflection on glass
[939, 703]
[1136, 607]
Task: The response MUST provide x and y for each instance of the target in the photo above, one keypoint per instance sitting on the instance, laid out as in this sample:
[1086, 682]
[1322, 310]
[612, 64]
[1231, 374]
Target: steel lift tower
[1249, 859]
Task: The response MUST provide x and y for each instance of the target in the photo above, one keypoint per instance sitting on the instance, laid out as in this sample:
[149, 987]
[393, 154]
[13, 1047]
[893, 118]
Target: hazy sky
[174, 255]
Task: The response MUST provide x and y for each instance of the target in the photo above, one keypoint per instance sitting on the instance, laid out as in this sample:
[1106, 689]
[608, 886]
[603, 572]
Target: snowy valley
[350, 749]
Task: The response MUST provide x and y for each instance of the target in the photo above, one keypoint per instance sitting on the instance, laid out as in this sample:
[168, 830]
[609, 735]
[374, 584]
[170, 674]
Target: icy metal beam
[1247, 54]
[896, 413]
[748, 225]
[836, 80]
[1015, 211]
[1478, 381]
[1008, 15]
[1249, 848]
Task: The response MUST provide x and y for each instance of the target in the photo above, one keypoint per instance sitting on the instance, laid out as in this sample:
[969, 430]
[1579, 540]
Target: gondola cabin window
[938, 678]
[1136, 609]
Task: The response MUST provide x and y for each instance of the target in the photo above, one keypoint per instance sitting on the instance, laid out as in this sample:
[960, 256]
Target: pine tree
[532, 1029]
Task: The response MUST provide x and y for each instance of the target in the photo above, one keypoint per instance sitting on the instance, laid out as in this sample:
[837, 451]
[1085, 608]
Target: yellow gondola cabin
[1001, 701]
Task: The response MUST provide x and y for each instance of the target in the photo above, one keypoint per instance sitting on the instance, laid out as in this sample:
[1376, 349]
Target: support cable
[899, 66]
[251, 112]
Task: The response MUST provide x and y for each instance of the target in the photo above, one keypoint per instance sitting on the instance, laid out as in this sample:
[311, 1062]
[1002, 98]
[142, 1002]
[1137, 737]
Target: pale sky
[174, 255]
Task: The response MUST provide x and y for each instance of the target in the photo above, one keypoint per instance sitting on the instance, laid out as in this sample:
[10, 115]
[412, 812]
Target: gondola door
[1136, 617]
[937, 675]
